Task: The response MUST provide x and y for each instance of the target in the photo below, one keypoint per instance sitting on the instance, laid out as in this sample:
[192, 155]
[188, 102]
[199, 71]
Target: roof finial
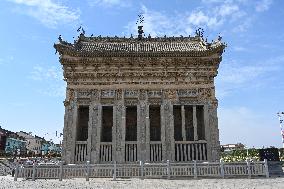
[140, 21]
[60, 38]
[81, 29]
[199, 32]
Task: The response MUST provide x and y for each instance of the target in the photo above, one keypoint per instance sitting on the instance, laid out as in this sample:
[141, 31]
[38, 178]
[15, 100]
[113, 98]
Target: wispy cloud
[240, 49]
[212, 1]
[200, 19]
[217, 15]
[110, 3]
[6, 59]
[242, 74]
[157, 23]
[40, 73]
[50, 78]
[48, 12]
[53, 90]
[244, 25]
[213, 16]
[263, 5]
[235, 75]
[228, 9]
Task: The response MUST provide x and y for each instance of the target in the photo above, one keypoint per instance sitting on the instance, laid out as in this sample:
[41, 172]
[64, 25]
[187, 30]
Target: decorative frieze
[107, 93]
[131, 93]
[84, 94]
[155, 97]
[119, 94]
[131, 102]
[83, 102]
[143, 94]
[187, 93]
[96, 95]
[107, 101]
[155, 93]
[155, 101]
[171, 94]
[141, 84]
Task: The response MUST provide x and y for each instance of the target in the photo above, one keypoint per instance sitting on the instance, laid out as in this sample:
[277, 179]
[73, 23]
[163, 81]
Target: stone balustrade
[143, 170]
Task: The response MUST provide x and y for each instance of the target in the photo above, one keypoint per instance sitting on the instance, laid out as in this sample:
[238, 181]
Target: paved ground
[261, 183]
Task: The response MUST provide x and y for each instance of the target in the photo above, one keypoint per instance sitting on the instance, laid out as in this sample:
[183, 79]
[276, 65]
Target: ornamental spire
[140, 22]
[81, 29]
[199, 32]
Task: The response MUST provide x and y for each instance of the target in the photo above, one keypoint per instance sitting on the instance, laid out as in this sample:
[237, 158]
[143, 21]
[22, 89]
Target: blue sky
[249, 86]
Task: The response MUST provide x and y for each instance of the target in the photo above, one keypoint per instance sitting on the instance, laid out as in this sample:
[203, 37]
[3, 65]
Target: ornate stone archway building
[149, 99]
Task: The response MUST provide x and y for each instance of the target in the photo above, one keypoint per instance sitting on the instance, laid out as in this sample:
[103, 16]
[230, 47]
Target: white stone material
[138, 78]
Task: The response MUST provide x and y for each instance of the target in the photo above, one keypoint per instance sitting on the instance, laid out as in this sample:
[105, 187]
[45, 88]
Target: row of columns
[194, 120]
[143, 130]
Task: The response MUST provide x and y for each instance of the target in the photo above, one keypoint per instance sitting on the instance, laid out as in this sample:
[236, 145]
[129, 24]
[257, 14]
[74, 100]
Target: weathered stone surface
[102, 72]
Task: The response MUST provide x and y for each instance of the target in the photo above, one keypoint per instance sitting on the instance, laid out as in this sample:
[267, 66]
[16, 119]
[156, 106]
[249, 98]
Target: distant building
[45, 147]
[48, 147]
[2, 140]
[15, 145]
[34, 143]
[230, 147]
[55, 148]
[11, 143]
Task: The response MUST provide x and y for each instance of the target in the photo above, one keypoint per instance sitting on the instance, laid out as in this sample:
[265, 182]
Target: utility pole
[281, 118]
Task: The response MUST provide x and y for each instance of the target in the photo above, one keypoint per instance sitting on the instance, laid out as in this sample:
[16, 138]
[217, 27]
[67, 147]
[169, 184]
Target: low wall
[144, 170]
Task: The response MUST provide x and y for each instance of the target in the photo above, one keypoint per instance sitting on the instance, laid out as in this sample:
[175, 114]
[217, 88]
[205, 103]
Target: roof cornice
[134, 47]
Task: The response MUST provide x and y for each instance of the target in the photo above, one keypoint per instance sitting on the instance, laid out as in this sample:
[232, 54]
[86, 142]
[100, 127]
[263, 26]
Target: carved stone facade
[162, 75]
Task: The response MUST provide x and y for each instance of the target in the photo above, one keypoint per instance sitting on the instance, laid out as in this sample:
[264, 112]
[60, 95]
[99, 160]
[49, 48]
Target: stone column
[171, 134]
[147, 129]
[207, 130]
[163, 131]
[71, 140]
[67, 133]
[70, 123]
[123, 133]
[183, 123]
[167, 130]
[94, 129]
[96, 136]
[194, 120]
[118, 132]
[114, 128]
[143, 129]
[90, 131]
[139, 134]
[214, 131]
